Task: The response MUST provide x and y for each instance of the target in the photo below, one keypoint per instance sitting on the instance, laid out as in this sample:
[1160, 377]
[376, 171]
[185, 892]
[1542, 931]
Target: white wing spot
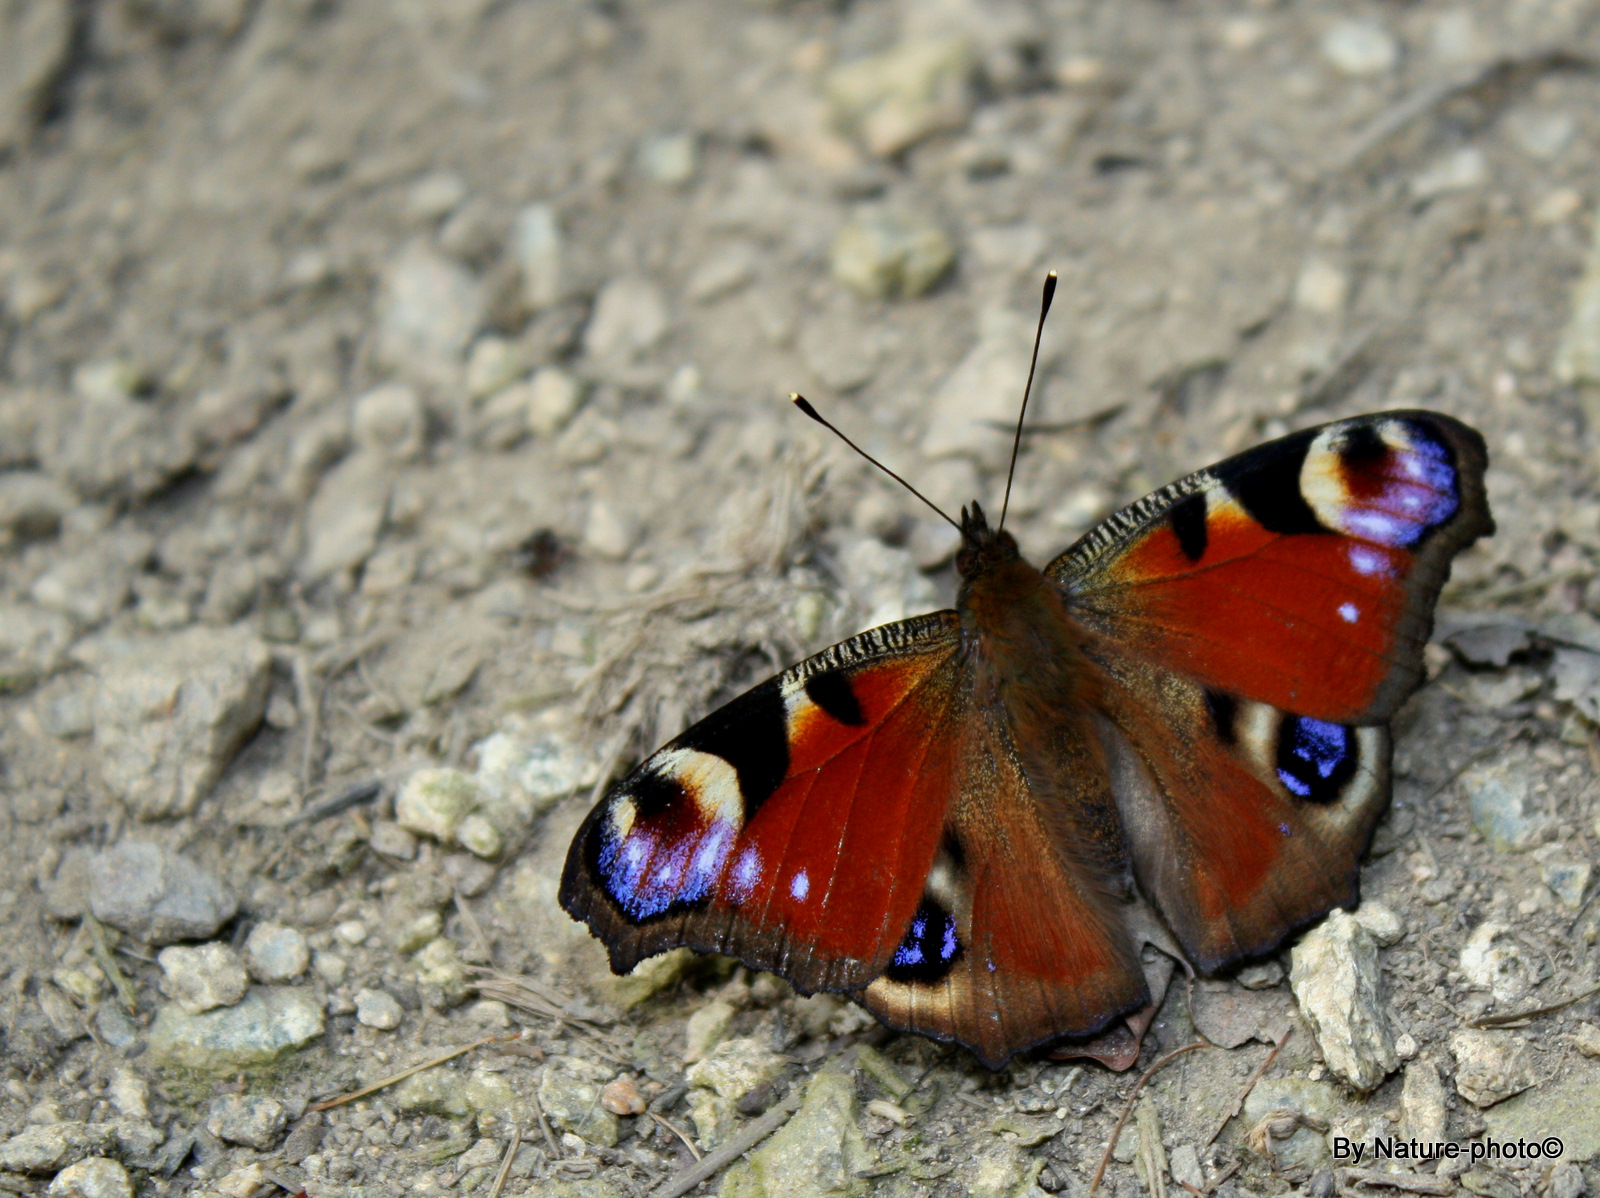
[1350, 612]
[799, 887]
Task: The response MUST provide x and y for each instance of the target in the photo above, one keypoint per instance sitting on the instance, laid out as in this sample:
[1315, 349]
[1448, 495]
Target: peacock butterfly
[955, 819]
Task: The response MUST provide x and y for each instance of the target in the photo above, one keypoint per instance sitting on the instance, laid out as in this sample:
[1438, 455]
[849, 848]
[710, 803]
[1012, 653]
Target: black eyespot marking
[652, 794]
[1316, 759]
[1361, 444]
[1188, 520]
[752, 735]
[950, 845]
[929, 949]
[831, 691]
[1224, 709]
[1266, 482]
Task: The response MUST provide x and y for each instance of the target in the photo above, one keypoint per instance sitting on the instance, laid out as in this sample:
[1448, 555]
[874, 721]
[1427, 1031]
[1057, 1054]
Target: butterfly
[954, 818]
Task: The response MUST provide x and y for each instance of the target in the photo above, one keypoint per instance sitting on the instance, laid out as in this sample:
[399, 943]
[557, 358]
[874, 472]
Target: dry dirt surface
[393, 447]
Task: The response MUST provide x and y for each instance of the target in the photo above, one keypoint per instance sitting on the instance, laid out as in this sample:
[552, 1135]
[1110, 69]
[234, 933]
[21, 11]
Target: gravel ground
[393, 446]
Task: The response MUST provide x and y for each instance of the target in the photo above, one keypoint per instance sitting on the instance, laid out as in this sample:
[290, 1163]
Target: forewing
[1301, 574]
[792, 828]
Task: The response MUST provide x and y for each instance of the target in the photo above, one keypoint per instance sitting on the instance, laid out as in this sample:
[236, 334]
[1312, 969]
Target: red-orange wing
[1302, 573]
[859, 823]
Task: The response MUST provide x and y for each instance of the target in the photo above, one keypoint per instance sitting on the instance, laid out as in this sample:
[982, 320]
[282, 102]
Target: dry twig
[505, 1163]
[383, 1083]
[1116, 1132]
[1250, 1084]
[713, 1163]
[1412, 1183]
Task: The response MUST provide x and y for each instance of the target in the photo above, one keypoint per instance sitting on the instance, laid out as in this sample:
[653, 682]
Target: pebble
[91, 586]
[492, 364]
[1336, 980]
[171, 711]
[1423, 1104]
[1587, 1040]
[428, 310]
[39, 42]
[707, 1028]
[451, 1093]
[345, 517]
[622, 1097]
[1183, 1162]
[32, 644]
[607, 532]
[1322, 288]
[390, 421]
[434, 196]
[199, 979]
[1360, 48]
[1305, 1150]
[650, 976]
[1459, 170]
[124, 448]
[1263, 975]
[432, 802]
[379, 1009]
[1491, 1065]
[1578, 355]
[271, 1022]
[156, 895]
[1542, 135]
[31, 506]
[419, 931]
[721, 1078]
[1491, 959]
[569, 1093]
[1503, 810]
[330, 967]
[883, 252]
[1381, 922]
[893, 100]
[477, 834]
[538, 250]
[130, 1094]
[97, 1177]
[391, 840]
[439, 964]
[553, 398]
[724, 271]
[629, 317]
[276, 953]
[815, 1154]
[52, 1146]
[253, 1120]
[670, 159]
[1568, 880]
[352, 931]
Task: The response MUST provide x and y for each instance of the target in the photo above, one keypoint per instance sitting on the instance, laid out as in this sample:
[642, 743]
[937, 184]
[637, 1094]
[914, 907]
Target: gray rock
[31, 505]
[115, 1029]
[1360, 48]
[117, 446]
[432, 802]
[171, 711]
[271, 1022]
[93, 585]
[32, 644]
[893, 100]
[52, 1146]
[569, 1093]
[1423, 1104]
[1578, 355]
[428, 311]
[435, 195]
[884, 252]
[130, 1094]
[1500, 796]
[1335, 977]
[1491, 1065]
[253, 1120]
[199, 979]
[1566, 1181]
[723, 272]
[1491, 959]
[379, 1009]
[97, 1177]
[391, 840]
[818, 1153]
[1304, 1150]
[1568, 880]
[345, 516]
[1183, 1162]
[538, 248]
[155, 895]
[1459, 170]
[969, 407]
[726, 1074]
[629, 317]
[707, 1028]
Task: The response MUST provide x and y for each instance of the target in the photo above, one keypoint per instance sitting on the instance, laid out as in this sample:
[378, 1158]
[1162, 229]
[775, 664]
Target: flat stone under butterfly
[957, 819]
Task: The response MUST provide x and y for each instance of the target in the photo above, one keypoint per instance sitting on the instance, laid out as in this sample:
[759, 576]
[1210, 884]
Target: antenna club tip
[795, 397]
[1052, 275]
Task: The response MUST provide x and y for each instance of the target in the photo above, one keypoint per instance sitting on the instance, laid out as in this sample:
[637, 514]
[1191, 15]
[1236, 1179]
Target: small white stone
[130, 1094]
[1492, 960]
[607, 533]
[1381, 923]
[433, 196]
[200, 979]
[1542, 135]
[707, 1028]
[1460, 170]
[330, 967]
[433, 802]
[352, 932]
[1336, 980]
[391, 421]
[1360, 48]
[630, 316]
[96, 1177]
[1184, 1165]
[1321, 288]
[477, 835]
[379, 1009]
[1491, 1065]
[670, 159]
[492, 363]
[537, 248]
[276, 953]
[553, 398]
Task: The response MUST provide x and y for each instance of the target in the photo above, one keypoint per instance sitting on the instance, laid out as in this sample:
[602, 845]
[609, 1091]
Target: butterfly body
[953, 818]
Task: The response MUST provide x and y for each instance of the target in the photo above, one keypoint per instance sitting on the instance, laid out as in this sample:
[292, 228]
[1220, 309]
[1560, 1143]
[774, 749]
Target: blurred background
[377, 377]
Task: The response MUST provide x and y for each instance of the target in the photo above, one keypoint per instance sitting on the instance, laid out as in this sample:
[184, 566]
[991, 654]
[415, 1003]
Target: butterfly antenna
[804, 405]
[1016, 445]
